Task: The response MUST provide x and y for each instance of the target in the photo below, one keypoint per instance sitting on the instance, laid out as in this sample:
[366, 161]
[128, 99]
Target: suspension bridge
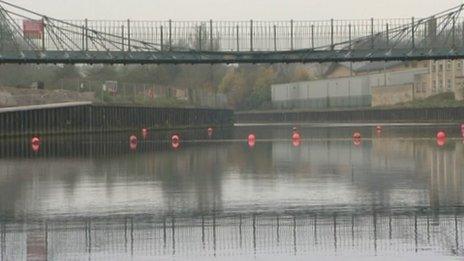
[30, 37]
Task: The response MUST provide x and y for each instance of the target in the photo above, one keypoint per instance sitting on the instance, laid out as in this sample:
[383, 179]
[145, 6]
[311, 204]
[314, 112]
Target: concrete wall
[391, 95]
[451, 114]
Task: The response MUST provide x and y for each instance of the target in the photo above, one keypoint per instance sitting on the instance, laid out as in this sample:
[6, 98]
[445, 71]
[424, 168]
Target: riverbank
[388, 115]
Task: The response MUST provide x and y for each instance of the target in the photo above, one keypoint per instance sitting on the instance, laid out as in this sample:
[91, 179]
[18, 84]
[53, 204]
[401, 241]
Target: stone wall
[459, 89]
[391, 95]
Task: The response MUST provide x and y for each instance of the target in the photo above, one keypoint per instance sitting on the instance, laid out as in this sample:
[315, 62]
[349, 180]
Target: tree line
[247, 86]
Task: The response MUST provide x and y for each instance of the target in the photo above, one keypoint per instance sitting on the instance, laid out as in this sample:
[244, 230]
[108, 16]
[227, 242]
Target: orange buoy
[145, 133]
[210, 132]
[175, 141]
[35, 144]
[133, 142]
[251, 140]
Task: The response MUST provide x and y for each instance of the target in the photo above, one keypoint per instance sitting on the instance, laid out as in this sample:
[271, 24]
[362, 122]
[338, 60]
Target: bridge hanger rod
[67, 23]
[9, 20]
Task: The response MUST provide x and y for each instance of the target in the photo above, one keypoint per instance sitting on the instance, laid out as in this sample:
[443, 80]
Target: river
[394, 193]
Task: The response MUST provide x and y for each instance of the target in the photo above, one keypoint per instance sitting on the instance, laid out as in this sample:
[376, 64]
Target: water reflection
[92, 197]
[301, 234]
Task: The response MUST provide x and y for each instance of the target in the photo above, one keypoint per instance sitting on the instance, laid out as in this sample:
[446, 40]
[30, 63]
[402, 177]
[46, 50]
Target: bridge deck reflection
[400, 233]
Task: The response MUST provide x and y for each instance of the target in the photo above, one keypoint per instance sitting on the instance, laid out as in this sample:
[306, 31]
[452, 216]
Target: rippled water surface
[396, 193]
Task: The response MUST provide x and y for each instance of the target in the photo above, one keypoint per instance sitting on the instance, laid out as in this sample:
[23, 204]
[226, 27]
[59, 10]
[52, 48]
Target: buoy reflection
[441, 138]
[175, 141]
[296, 139]
[133, 142]
[251, 140]
[145, 133]
[35, 144]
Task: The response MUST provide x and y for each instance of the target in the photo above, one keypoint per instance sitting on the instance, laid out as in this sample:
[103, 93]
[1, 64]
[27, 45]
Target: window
[449, 85]
[440, 67]
[448, 65]
[434, 88]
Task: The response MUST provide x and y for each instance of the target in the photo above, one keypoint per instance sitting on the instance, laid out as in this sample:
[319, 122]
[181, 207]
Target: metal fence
[87, 117]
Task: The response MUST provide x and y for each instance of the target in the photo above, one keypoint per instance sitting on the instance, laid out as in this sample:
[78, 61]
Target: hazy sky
[236, 9]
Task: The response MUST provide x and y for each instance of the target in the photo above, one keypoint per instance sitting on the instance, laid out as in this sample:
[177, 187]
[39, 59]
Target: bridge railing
[226, 36]
[209, 35]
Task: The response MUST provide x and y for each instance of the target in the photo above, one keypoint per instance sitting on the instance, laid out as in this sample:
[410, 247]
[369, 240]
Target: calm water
[94, 198]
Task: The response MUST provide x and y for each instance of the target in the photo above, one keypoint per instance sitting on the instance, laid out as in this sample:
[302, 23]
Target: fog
[236, 9]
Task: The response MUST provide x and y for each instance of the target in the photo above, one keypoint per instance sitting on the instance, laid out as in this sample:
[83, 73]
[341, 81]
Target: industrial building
[356, 91]
[372, 84]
